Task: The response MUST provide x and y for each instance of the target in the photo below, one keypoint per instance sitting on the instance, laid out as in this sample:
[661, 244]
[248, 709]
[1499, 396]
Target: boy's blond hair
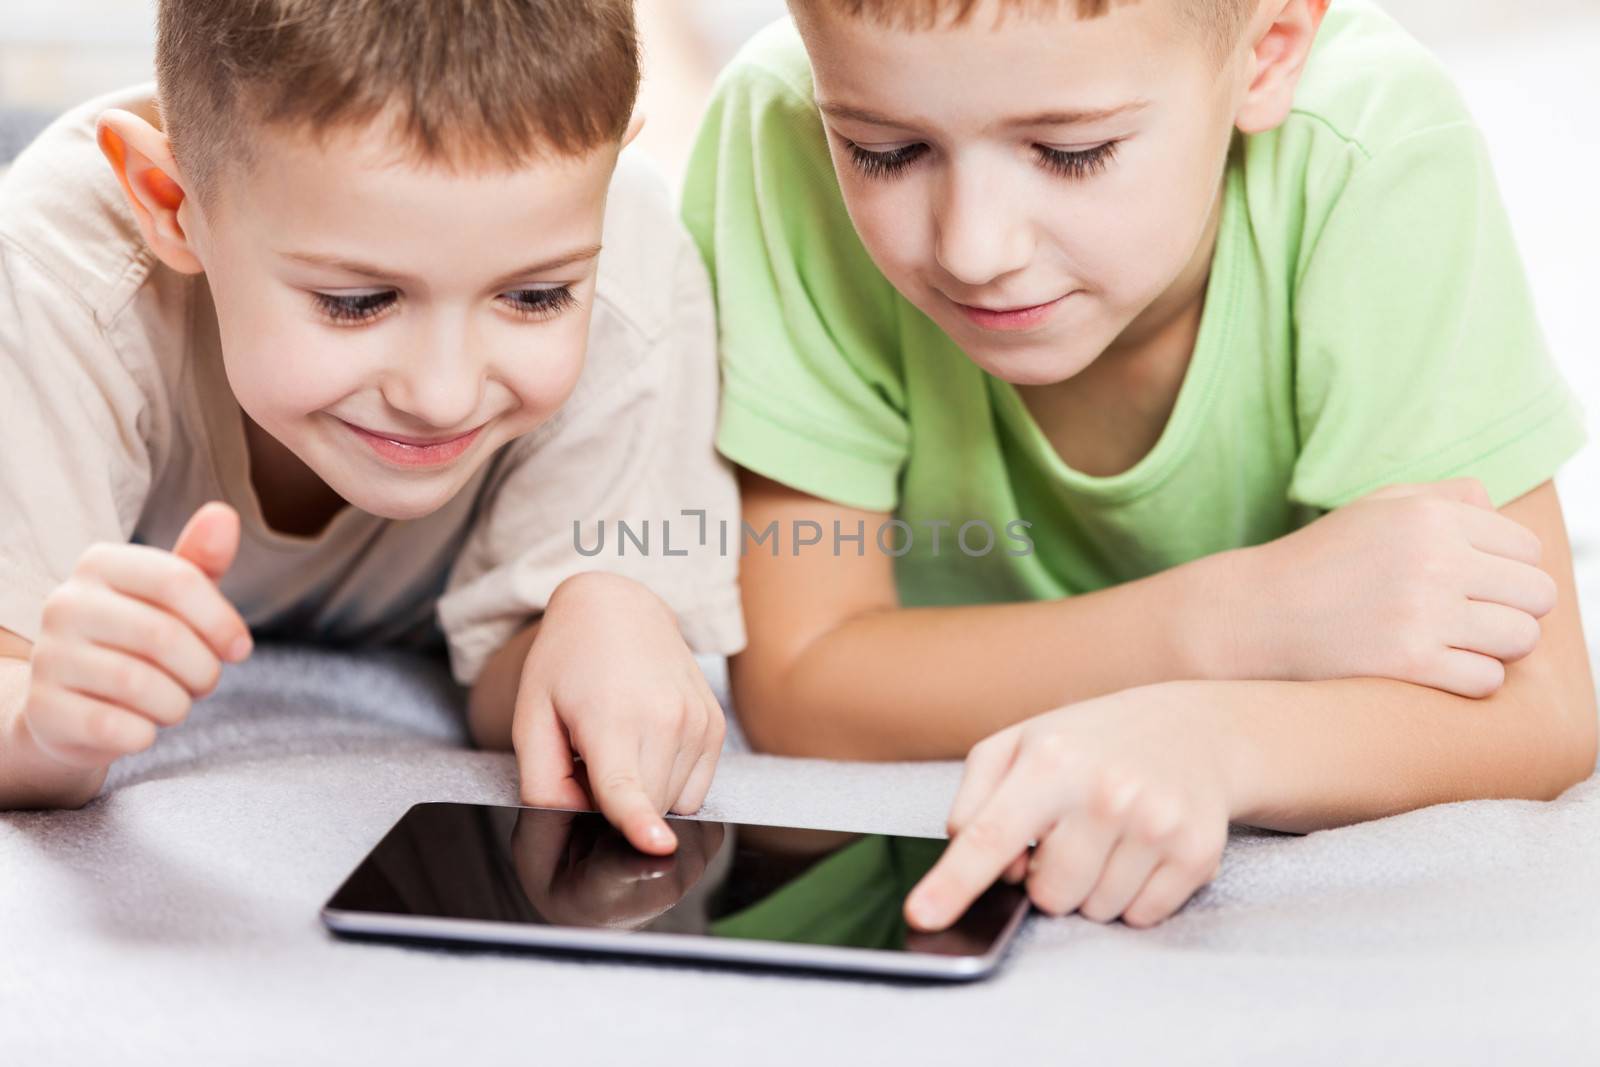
[1220, 20]
[464, 82]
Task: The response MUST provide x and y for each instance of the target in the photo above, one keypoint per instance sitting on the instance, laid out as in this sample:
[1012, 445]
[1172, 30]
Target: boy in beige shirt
[333, 327]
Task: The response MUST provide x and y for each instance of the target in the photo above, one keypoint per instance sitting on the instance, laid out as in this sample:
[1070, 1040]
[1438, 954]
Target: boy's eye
[539, 303]
[1069, 163]
[354, 308]
[884, 164]
[1078, 163]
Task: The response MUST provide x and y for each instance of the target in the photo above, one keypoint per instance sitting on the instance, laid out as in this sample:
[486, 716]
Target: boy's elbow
[769, 727]
[764, 734]
[776, 738]
[778, 723]
[1577, 746]
[760, 721]
[1569, 735]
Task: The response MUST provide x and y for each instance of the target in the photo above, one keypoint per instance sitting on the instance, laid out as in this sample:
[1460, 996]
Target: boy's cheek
[904, 248]
[545, 380]
[284, 377]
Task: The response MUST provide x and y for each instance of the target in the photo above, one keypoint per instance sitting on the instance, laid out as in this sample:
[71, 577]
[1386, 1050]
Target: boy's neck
[293, 499]
[1106, 418]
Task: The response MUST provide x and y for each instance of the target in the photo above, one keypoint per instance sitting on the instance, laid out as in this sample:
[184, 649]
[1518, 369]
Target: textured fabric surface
[174, 920]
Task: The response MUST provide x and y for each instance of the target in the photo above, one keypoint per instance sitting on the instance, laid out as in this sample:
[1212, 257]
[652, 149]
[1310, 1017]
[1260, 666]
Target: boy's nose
[980, 234]
[440, 389]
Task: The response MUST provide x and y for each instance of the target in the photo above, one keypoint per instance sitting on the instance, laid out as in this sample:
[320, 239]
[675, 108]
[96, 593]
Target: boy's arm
[647, 737]
[28, 777]
[494, 694]
[1319, 754]
[836, 667]
[1120, 805]
[126, 643]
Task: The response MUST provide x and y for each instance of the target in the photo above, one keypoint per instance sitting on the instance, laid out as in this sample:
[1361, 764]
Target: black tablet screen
[733, 880]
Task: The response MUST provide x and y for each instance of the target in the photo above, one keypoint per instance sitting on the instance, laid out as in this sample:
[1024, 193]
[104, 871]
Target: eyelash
[360, 308]
[539, 303]
[885, 164]
[356, 308]
[1084, 163]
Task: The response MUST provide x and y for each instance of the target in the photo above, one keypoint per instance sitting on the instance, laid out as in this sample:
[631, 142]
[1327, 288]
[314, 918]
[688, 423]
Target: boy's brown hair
[463, 81]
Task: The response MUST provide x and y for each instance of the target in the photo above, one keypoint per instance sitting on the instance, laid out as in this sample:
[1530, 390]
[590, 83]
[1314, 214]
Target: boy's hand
[609, 682]
[1128, 799]
[1426, 584]
[131, 639]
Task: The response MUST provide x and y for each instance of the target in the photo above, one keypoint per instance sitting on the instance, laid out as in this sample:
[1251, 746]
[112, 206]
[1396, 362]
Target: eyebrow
[351, 266]
[1072, 117]
[1078, 117]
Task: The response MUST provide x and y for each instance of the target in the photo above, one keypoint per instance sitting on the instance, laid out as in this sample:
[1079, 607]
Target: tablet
[742, 893]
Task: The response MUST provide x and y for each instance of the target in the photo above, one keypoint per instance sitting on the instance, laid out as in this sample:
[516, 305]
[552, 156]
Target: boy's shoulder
[63, 213]
[774, 63]
[651, 288]
[1376, 119]
[92, 315]
[1371, 85]
[645, 251]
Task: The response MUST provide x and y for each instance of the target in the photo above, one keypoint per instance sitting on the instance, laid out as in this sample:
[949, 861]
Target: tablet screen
[747, 882]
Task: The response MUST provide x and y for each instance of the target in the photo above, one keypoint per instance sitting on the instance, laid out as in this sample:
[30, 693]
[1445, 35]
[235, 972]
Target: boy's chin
[390, 496]
[1033, 366]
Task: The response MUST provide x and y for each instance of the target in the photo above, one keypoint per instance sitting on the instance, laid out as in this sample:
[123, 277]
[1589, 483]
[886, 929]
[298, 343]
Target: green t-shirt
[1367, 321]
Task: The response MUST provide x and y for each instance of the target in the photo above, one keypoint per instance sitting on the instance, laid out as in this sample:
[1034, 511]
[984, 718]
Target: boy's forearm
[29, 778]
[1312, 755]
[1326, 753]
[492, 705]
[928, 683]
[493, 701]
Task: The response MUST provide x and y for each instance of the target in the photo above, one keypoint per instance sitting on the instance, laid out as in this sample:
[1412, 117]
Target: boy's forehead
[1022, 63]
[358, 195]
[287, 162]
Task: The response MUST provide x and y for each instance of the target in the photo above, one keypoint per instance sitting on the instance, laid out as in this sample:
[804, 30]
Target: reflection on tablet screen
[731, 880]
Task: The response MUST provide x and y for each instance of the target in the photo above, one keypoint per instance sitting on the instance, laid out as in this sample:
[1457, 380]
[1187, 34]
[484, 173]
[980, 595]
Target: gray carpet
[174, 920]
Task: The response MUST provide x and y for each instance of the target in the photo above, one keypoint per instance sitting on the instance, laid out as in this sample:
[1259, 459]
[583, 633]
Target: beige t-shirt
[117, 422]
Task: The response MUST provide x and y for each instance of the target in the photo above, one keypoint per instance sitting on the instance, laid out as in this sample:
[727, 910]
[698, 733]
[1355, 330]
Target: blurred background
[1530, 70]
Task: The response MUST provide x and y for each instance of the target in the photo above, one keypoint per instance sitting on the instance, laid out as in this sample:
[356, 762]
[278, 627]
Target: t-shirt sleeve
[74, 463]
[813, 397]
[1419, 355]
[625, 479]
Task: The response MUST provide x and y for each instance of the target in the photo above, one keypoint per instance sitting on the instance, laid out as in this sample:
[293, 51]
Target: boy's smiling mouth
[407, 451]
[1011, 319]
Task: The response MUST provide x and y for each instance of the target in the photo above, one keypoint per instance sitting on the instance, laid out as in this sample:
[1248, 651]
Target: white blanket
[174, 920]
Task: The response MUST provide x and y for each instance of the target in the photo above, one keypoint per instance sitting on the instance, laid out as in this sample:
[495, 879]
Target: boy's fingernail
[239, 649]
[660, 835]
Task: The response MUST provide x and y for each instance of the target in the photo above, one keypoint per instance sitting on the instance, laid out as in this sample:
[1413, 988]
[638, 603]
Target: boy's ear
[1277, 58]
[141, 157]
[635, 124]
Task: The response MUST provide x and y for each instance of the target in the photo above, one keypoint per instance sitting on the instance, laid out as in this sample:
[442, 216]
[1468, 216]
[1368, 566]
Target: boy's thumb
[210, 539]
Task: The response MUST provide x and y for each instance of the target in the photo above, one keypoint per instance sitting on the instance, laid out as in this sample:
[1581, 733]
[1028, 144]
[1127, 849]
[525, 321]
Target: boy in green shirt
[1136, 384]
